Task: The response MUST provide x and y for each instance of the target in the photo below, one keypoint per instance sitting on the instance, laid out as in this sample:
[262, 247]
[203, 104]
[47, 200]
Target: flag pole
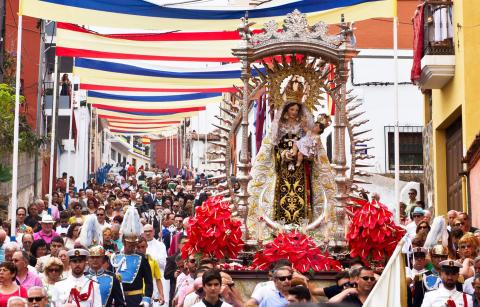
[198, 141]
[395, 108]
[16, 127]
[177, 160]
[90, 143]
[69, 155]
[52, 134]
[206, 146]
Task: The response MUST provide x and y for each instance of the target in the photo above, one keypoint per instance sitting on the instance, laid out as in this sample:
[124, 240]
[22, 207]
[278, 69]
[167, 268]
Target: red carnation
[300, 249]
[373, 234]
[213, 232]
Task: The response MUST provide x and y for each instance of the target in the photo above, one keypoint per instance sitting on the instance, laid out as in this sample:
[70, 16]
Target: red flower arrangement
[213, 232]
[235, 267]
[373, 235]
[300, 249]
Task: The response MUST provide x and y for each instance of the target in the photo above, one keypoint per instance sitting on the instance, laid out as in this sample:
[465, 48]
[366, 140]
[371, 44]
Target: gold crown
[294, 91]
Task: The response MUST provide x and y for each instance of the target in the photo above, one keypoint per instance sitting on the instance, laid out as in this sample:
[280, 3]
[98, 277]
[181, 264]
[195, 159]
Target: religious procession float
[294, 202]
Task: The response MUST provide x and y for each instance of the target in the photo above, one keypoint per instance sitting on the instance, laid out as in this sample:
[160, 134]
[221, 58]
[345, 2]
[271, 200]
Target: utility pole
[2, 36]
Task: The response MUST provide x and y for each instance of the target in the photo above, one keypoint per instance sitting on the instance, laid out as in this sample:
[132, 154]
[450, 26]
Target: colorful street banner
[143, 132]
[130, 121]
[153, 102]
[107, 75]
[140, 14]
[75, 41]
[115, 131]
[148, 112]
[133, 115]
[134, 126]
[141, 128]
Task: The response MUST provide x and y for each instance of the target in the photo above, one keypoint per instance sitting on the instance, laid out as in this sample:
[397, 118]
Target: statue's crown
[294, 92]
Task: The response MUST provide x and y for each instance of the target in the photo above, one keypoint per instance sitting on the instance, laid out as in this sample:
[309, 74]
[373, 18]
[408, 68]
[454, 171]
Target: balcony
[63, 101]
[438, 60]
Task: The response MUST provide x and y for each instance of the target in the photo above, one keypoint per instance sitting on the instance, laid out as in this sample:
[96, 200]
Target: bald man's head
[148, 232]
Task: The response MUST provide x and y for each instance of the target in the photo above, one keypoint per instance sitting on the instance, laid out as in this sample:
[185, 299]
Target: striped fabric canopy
[115, 76]
[153, 102]
[142, 14]
[74, 41]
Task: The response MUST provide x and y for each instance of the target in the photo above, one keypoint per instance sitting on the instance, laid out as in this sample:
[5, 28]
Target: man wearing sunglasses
[37, 297]
[357, 296]
[282, 278]
[342, 282]
[447, 294]
[417, 216]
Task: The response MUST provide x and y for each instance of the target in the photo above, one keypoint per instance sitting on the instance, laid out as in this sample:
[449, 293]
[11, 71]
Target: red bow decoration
[300, 249]
[213, 232]
[81, 297]
[372, 234]
[451, 303]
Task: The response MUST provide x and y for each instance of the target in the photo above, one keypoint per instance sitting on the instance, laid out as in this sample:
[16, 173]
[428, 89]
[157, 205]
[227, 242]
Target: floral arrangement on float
[300, 249]
[373, 234]
[213, 232]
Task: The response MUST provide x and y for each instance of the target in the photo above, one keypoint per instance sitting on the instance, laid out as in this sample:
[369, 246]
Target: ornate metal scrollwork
[295, 28]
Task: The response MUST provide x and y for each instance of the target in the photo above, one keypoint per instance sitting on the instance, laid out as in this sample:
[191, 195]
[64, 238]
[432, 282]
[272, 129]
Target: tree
[28, 140]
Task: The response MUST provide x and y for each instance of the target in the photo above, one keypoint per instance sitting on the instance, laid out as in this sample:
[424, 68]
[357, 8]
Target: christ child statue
[309, 145]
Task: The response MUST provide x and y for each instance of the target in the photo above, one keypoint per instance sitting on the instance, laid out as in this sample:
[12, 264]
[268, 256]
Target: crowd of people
[45, 263]
[445, 274]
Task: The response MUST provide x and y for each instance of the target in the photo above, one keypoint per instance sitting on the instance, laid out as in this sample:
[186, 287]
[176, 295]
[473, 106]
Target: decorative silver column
[244, 165]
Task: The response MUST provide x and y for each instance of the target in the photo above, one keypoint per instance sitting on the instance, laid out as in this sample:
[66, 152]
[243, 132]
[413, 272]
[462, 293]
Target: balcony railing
[438, 28]
[63, 101]
[434, 55]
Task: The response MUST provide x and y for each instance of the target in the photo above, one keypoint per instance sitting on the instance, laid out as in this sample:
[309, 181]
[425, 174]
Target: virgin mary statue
[285, 188]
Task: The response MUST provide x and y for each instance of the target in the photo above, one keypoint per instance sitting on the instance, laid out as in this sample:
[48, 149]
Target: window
[113, 154]
[411, 148]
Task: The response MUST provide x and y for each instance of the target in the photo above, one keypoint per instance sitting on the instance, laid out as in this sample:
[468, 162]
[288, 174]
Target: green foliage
[5, 173]
[28, 140]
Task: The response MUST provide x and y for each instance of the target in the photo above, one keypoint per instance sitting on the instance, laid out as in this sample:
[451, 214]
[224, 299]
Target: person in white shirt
[265, 288]
[447, 295]
[77, 288]
[452, 215]
[412, 200]
[157, 250]
[101, 217]
[418, 215]
[419, 262]
[212, 283]
[468, 284]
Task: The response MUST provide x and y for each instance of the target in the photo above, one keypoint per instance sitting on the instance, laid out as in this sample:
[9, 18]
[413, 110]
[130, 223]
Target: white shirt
[439, 298]
[411, 273]
[262, 290]
[467, 285]
[158, 251]
[411, 230]
[191, 299]
[105, 225]
[201, 304]
[61, 291]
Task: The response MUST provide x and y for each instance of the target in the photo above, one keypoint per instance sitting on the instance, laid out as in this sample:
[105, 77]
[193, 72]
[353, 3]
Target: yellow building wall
[459, 98]
[470, 28]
